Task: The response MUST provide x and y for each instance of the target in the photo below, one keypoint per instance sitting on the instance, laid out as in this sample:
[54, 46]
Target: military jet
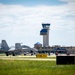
[18, 49]
[4, 47]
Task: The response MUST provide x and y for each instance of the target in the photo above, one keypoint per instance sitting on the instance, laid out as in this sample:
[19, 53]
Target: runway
[49, 58]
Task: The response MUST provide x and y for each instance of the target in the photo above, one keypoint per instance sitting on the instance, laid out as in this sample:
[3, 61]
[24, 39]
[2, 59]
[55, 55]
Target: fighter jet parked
[17, 50]
[4, 46]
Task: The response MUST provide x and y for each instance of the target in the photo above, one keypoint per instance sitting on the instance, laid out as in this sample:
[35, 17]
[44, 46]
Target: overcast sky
[21, 21]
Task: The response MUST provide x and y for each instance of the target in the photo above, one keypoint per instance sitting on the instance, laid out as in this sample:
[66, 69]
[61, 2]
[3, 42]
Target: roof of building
[38, 43]
[45, 24]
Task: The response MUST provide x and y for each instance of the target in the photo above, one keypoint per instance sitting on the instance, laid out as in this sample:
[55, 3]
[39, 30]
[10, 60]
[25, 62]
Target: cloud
[23, 24]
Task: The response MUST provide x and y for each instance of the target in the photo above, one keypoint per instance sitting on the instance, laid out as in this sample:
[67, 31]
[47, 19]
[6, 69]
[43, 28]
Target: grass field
[29, 67]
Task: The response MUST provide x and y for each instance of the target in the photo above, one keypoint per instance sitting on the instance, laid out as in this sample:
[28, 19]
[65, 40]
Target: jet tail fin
[4, 45]
[18, 46]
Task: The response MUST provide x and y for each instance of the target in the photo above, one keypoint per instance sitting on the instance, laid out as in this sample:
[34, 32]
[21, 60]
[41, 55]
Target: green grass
[24, 67]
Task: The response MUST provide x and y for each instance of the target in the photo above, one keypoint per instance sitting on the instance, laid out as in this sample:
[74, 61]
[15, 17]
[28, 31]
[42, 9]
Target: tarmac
[49, 58]
[33, 57]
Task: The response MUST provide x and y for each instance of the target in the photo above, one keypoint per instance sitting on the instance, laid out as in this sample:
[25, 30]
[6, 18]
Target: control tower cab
[45, 33]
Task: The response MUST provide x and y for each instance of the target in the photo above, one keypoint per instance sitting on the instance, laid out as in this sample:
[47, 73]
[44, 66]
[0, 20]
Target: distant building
[59, 49]
[46, 48]
[45, 33]
[38, 45]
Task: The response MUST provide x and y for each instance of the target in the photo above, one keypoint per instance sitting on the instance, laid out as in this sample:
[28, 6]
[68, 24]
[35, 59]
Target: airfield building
[45, 48]
[45, 33]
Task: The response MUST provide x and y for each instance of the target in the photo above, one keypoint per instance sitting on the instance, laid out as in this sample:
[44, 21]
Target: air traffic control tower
[45, 33]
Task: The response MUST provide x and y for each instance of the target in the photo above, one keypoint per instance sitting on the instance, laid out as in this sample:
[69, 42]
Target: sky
[21, 21]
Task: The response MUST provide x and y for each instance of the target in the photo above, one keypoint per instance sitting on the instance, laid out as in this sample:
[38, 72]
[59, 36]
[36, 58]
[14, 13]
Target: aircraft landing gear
[7, 54]
[13, 54]
[24, 54]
